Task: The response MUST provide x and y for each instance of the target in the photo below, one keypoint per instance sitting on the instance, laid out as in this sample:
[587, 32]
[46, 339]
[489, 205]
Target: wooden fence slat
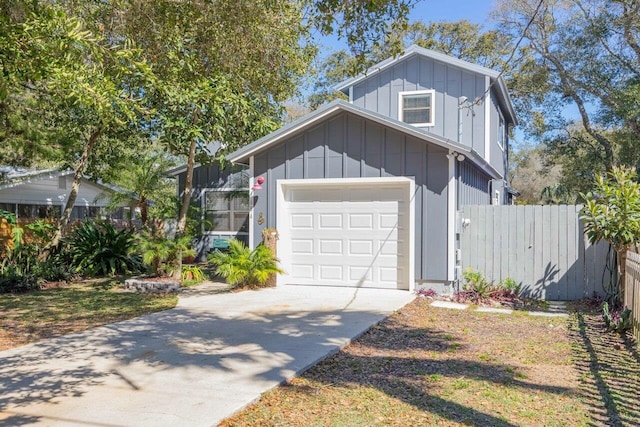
[541, 247]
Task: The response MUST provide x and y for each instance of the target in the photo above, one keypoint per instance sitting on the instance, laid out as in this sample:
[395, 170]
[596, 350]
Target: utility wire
[513, 52]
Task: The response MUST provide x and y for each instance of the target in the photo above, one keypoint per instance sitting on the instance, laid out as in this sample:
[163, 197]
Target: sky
[476, 11]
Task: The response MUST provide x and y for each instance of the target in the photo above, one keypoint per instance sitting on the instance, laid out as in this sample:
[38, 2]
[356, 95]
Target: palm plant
[242, 266]
[162, 255]
[145, 181]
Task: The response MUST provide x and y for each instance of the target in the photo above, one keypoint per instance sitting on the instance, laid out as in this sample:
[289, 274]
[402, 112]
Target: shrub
[192, 273]
[98, 249]
[618, 320]
[429, 293]
[241, 266]
[162, 255]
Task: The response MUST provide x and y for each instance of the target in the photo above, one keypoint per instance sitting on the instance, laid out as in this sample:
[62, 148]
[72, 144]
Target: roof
[413, 50]
[243, 154]
[13, 177]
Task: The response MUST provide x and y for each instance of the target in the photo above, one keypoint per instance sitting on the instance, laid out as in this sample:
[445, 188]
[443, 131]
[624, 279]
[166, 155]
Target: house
[365, 192]
[33, 194]
[221, 196]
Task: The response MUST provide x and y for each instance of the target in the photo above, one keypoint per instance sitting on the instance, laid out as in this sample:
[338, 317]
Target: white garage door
[346, 235]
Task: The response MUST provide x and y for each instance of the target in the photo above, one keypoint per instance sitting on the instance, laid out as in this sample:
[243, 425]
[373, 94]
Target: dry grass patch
[609, 370]
[72, 307]
[430, 366]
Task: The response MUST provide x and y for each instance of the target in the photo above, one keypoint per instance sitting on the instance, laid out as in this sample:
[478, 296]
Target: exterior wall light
[458, 156]
[258, 184]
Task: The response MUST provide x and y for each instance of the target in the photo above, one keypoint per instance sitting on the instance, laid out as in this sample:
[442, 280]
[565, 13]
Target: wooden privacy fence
[543, 248]
[632, 291]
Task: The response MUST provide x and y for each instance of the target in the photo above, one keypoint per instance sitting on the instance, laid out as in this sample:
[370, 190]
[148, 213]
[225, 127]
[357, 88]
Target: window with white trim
[501, 132]
[226, 211]
[416, 107]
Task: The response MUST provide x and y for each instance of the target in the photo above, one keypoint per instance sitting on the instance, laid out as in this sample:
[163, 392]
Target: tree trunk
[144, 211]
[188, 186]
[71, 200]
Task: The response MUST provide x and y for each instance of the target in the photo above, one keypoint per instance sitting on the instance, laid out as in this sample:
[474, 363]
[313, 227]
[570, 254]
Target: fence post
[632, 291]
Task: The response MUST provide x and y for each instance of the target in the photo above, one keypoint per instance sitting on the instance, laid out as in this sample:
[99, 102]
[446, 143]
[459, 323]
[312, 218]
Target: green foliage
[99, 249]
[242, 266]
[612, 209]
[193, 274]
[161, 254]
[617, 320]
[145, 182]
[510, 285]
[478, 290]
[476, 285]
[581, 54]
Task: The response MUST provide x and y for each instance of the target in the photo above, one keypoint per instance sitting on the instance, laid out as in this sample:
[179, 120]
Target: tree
[72, 85]
[580, 53]
[146, 182]
[612, 213]
[531, 173]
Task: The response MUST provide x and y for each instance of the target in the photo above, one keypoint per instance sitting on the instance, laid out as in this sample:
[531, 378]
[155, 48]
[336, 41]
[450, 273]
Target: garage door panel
[302, 246]
[346, 237]
[361, 247]
[302, 221]
[330, 221]
[361, 221]
[302, 271]
[330, 247]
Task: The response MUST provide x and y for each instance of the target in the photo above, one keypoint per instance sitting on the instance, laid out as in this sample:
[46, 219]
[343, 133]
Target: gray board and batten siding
[462, 122]
[543, 248]
[346, 145]
[208, 177]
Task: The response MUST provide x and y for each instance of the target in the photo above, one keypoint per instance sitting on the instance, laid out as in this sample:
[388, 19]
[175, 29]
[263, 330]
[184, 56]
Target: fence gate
[541, 247]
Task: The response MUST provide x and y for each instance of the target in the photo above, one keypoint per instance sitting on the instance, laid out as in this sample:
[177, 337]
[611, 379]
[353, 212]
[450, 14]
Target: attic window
[416, 107]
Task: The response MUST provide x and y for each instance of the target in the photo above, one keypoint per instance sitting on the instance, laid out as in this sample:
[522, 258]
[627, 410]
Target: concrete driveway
[193, 365]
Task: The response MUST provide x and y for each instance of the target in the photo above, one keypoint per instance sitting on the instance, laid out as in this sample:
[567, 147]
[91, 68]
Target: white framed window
[416, 107]
[501, 132]
[226, 211]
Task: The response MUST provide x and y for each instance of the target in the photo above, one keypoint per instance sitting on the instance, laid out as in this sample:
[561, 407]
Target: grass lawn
[430, 366]
[72, 307]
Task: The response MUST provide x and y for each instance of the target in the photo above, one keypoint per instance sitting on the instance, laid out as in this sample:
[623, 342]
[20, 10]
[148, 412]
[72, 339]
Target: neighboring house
[33, 194]
[365, 192]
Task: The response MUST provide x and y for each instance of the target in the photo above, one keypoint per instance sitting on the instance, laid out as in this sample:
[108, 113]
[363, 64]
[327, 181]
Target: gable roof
[243, 154]
[13, 177]
[415, 50]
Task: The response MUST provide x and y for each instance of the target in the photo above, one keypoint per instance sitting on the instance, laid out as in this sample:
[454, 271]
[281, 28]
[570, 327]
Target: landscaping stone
[494, 310]
[547, 314]
[449, 304]
[146, 285]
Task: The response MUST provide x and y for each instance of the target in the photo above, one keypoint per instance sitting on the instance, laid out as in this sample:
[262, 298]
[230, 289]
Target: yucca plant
[241, 266]
[99, 249]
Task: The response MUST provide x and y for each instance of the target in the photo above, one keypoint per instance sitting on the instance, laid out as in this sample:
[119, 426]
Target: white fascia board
[451, 220]
[487, 121]
[251, 200]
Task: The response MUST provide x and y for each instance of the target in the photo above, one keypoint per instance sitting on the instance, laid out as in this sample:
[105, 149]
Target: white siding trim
[431, 93]
[451, 220]
[251, 201]
[487, 121]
